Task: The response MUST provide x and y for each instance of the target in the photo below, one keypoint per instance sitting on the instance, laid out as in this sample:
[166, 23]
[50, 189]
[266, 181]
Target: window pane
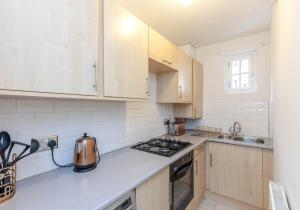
[235, 83]
[245, 81]
[245, 66]
[236, 67]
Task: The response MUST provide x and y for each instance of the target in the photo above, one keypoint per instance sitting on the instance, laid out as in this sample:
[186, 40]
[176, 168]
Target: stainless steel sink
[246, 139]
[225, 136]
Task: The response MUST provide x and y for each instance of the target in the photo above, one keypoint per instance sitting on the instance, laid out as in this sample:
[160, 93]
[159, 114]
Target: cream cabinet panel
[197, 89]
[236, 172]
[49, 46]
[199, 174]
[195, 109]
[185, 82]
[267, 174]
[154, 193]
[176, 86]
[125, 53]
[162, 51]
[167, 87]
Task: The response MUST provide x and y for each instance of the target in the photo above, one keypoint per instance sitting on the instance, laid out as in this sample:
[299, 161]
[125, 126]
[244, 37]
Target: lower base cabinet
[267, 174]
[240, 172]
[154, 193]
[199, 174]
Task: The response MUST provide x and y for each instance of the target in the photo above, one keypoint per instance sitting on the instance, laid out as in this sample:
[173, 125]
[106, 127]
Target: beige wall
[221, 109]
[285, 39]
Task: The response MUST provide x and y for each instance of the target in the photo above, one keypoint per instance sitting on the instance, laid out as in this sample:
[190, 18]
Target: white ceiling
[204, 21]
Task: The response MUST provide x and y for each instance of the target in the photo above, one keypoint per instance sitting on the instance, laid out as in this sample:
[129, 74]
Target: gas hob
[164, 146]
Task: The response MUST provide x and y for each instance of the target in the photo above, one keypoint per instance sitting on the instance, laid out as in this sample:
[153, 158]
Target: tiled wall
[222, 109]
[253, 117]
[114, 124]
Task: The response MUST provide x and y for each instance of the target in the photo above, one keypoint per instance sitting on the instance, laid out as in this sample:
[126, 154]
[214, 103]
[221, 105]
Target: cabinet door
[236, 172]
[125, 53]
[194, 110]
[167, 87]
[267, 174]
[199, 176]
[154, 193]
[185, 77]
[197, 89]
[49, 46]
[162, 50]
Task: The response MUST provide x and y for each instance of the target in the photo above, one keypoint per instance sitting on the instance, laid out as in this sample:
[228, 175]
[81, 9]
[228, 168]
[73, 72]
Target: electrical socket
[167, 121]
[44, 142]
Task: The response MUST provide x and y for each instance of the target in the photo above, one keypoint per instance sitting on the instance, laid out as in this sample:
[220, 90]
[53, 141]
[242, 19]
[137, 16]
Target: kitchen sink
[246, 139]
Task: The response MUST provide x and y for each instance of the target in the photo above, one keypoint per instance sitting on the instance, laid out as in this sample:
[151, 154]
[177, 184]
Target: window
[239, 75]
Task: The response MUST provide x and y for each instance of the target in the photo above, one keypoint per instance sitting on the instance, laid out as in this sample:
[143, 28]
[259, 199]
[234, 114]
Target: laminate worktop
[119, 172]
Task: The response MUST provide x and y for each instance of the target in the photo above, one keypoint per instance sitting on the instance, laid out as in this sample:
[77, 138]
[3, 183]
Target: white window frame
[227, 79]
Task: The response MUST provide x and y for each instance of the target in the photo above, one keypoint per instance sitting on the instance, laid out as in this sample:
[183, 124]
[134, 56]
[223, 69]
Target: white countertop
[118, 173]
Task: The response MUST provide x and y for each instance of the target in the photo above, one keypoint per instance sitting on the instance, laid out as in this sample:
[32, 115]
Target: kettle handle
[96, 149]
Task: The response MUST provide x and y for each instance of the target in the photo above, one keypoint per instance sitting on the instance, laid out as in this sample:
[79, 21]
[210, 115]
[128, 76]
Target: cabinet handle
[195, 111]
[147, 87]
[196, 166]
[95, 69]
[170, 194]
[210, 160]
[180, 91]
[168, 62]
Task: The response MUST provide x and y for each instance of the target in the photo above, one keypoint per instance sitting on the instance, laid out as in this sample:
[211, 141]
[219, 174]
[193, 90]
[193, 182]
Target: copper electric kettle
[85, 154]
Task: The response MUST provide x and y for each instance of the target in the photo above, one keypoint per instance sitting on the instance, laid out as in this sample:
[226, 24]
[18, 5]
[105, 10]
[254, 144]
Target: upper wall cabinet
[195, 109]
[163, 54]
[49, 46]
[176, 86]
[185, 77]
[125, 73]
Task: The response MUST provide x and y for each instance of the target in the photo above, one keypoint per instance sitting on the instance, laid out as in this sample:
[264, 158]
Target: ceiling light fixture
[185, 3]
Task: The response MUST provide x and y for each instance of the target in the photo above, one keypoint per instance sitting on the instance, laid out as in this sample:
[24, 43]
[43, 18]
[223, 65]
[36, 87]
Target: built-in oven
[181, 182]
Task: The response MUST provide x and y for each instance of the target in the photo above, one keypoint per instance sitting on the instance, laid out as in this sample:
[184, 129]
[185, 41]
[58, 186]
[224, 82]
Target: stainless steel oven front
[181, 182]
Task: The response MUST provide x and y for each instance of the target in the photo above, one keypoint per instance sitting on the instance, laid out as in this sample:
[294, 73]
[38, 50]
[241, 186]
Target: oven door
[182, 187]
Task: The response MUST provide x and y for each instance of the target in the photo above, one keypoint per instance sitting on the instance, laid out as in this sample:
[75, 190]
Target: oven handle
[182, 171]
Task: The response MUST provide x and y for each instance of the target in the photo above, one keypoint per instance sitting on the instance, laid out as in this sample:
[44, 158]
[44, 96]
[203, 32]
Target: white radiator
[278, 199]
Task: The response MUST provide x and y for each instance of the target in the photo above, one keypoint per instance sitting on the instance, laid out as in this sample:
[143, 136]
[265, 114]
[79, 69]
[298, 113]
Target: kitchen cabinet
[267, 174]
[154, 193]
[125, 73]
[195, 109]
[185, 74]
[236, 172]
[176, 87]
[199, 177]
[163, 54]
[49, 46]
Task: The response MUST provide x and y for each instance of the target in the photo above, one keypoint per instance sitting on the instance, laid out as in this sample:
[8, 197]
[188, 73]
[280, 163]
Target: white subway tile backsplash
[67, 106]
[114, 124]
[50, 119]
[16, 121]
[252, 116]
[31, 106]
[8, 105]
